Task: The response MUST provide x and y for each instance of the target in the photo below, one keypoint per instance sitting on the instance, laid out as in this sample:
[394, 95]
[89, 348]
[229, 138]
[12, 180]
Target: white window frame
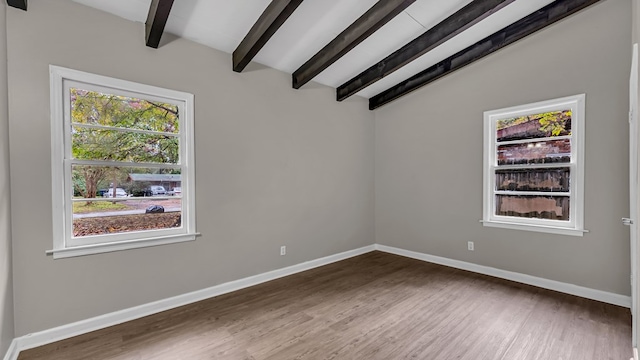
[64, 244]
[575, 225]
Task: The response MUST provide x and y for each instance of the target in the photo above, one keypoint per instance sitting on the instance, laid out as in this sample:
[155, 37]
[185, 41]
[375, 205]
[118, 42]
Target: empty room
[319, 179]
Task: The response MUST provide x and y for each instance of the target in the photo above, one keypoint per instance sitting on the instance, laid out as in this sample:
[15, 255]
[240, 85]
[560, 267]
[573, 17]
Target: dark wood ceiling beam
[538, 20]
[269, 22]
[378, 15]
[20, 4]
[453, 25]
[156, 20]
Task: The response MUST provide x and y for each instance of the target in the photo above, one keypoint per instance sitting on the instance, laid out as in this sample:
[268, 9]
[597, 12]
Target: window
[116, 147]
[533, 166]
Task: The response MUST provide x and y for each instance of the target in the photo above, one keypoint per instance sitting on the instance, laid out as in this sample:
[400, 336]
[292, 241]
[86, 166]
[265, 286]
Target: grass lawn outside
[80, 207]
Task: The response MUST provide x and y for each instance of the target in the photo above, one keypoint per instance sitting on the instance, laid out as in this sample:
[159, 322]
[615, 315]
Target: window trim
[575, 226]
[63, 244]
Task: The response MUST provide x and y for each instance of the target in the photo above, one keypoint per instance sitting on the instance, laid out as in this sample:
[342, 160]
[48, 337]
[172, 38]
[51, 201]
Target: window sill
[536, 228]
[118, 246]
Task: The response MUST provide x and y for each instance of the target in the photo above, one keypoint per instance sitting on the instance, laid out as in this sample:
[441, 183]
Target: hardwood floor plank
[374, 306]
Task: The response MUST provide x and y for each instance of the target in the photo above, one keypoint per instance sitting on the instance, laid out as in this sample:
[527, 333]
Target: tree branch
[174, 112]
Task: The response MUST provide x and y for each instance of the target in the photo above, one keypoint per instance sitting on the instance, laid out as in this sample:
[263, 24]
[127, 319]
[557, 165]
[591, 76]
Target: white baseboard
[607, 297]
[12, 352]
[100, 322]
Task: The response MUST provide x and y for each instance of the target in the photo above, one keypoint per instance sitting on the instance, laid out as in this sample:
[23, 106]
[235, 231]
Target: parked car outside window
[157, 190]
[177, 191]
[119, 193]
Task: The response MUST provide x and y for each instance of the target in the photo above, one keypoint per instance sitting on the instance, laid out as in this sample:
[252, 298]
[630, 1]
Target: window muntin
[533, 166]
[106, 134]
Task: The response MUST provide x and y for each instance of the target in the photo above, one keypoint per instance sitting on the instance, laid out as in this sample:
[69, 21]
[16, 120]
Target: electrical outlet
[470, 246]
[283, 250]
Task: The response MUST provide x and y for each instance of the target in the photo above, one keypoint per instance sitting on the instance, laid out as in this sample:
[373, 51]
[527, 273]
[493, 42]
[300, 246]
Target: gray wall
[428, 159]
[636, 17]
[6, 290]
[274, 166]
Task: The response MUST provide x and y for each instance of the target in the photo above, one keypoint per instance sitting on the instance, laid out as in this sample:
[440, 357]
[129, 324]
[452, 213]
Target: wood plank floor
[374, 306]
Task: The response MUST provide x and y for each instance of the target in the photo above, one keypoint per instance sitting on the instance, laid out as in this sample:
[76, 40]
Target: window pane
[128, 195]
[95, 108]
[100, 181]
[102, 144]
[125, 215]
[540, 152]
[552, 180]
[549, 124]
[540, 207]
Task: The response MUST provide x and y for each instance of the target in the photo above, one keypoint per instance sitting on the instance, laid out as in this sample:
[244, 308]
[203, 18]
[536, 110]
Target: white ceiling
[222, 24]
